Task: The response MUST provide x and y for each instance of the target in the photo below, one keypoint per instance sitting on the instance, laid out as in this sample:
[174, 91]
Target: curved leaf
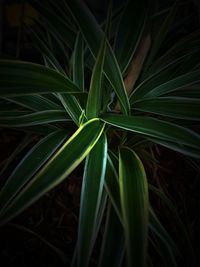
[20, 78]
[161, 131]
[78, 64]
[36, 118]
[30, 164]
[175, 107]
[93, 35]
[35, 102]
[63, 162]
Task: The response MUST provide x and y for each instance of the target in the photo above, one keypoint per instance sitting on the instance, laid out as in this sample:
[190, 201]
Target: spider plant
[107, 94]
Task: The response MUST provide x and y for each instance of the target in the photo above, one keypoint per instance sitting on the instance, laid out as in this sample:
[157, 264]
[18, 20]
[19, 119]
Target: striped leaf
[134, 203]
[78, 62]
[20, 78]
[112, 250]
[35, 118]
[174, 107]
[92, 188]
[171, 135]
[93, 36]
[30, 164]
[63, 162]
[95, 95]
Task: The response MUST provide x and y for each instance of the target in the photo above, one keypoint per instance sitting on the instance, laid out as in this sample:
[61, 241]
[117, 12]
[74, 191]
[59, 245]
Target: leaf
[169, 72]
[93, 35]
[174, 84]
[155, 227]
[27, 140]
[127, 40]
[35, 102]
[91, 194]
[171, 135]
[72, 106]
[78, 62]
[134, 203]
[112, 250]
[20, 78]
[30, 164]
[35, 118]
[95, 95]
[175, 107]
[63, 162]
[112, 186]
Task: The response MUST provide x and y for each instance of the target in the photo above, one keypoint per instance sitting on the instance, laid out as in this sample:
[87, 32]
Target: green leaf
[35, 102]
[134, 203]
[175, 107]
[95, 95]
[174, 84]
[20, 78]
[127, 39]
[112, 186]
[92, 188]
[155, 227]
[35, 118]
[161, 77]
[72, 106]
[78, 64]
[171, 135]
[27, 140]
[30, 164]
[93, 35]
[112, 250]
[63, 162]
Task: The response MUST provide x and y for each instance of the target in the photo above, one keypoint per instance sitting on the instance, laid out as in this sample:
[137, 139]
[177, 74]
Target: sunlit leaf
[63, 162]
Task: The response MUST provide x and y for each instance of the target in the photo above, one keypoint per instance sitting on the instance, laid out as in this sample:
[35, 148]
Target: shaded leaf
[134, 203]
